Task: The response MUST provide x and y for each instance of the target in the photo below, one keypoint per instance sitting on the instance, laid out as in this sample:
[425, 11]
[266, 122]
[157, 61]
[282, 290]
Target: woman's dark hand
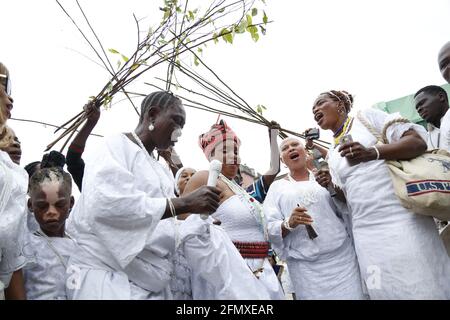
[274, 125]
[309, 143]
[92, 112]
[203, 200]
[356, 153]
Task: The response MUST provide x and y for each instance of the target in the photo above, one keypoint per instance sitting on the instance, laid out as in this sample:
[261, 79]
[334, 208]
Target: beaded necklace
[343, 130]
[254, 206]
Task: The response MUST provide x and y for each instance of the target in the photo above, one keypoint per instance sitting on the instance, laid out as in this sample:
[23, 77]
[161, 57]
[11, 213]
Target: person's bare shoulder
[200, 178]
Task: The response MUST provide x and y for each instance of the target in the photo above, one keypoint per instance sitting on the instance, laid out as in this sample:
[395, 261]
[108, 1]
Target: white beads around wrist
[171, 207]
[286, 225]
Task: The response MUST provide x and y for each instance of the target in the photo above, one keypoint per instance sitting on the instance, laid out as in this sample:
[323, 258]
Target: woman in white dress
[400, 254]
[240, 214]
[206, 264]
[324, 267]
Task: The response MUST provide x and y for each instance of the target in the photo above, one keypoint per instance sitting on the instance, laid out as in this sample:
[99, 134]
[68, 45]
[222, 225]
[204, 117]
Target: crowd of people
[145, 228]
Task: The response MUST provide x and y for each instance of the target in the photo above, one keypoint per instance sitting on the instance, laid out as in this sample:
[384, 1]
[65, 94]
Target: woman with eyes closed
[399, 253]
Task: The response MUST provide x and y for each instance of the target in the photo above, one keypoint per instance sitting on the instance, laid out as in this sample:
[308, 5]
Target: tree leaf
[259, 109]
[166, 13]
[190, 15]
[124, 58]
[215, 36]
[113, 51]
[265, 19]
[241, 27]
[227, 35]
[254, 12]
[249, 20]
[263, 30]
[196, 61]
[255, 36]
[253, 32]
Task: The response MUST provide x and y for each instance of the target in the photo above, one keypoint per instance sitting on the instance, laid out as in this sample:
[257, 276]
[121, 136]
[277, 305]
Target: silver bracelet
[377, 151]
[171, 207]
[286, 225]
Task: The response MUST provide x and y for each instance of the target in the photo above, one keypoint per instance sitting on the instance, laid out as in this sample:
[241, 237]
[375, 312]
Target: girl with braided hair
[399, 253]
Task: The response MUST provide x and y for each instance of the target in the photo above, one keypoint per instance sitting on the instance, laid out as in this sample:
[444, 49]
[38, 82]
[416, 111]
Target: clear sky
[377, 50]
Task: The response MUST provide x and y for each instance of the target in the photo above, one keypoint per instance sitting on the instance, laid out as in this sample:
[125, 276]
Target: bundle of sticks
[181, 31]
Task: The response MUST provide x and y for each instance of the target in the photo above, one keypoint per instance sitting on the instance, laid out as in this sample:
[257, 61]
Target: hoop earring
[151, 127]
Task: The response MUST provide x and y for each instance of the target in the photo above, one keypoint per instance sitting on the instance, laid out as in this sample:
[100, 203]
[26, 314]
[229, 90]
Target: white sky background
[377, 50]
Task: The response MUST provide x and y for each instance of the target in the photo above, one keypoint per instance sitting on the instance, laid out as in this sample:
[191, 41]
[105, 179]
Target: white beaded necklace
[166, 193]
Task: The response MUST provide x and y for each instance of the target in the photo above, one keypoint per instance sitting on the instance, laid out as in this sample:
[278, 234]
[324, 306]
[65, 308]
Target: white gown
[325, 267]
[240, 225]
[218, 271]
[399, 252]
[114, 222]
[45, 273]
[13, 191]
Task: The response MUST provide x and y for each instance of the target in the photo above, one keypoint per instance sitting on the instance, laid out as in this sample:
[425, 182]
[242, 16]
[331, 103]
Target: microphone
[215, 167]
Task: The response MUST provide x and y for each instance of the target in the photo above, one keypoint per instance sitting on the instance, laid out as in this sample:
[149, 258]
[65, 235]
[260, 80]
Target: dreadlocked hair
[341, 96]
[49, 175]
[161, 99]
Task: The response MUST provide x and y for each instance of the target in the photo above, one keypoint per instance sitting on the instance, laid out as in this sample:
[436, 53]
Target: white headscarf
[177, 178]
